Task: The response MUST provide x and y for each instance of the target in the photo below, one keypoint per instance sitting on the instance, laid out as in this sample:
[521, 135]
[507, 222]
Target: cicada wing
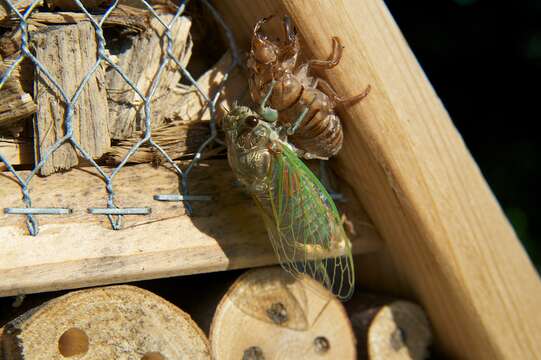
[304, 226]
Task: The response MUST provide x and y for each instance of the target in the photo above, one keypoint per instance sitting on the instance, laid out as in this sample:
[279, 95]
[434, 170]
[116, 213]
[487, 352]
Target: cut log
[388, 328]
[105, 323]
[267, 314]
[16, 103]
[140, 63]
[68, 53]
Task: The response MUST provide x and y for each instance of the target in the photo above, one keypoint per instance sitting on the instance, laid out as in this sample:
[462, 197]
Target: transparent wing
[304, 225]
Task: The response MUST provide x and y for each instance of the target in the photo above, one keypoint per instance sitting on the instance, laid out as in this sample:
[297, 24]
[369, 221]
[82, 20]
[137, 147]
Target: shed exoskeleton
[305, 103]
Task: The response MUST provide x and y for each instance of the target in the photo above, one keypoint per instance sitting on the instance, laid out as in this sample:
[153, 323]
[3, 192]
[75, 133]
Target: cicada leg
[293, 128]
[269, 114]
[328, 90]
[324, 177]
[298, 121]
[333, 60]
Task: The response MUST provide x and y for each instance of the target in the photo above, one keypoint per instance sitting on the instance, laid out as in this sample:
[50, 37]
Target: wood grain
[115, 322]
[68, 53]
[279, 317]
[81, 249]
[16, 103]
[140, 60]
[448, 241]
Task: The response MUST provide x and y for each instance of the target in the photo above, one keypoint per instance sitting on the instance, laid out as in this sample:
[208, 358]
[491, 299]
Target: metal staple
[114, 213]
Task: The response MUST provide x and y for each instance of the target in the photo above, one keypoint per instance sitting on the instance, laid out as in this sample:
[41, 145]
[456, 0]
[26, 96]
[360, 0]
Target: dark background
[483, 57]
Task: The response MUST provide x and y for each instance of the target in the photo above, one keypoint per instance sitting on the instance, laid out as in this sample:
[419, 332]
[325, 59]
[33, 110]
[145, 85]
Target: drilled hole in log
[73, 341]
[153, 356]
[253, 353]
[277, 313]
[321, 344]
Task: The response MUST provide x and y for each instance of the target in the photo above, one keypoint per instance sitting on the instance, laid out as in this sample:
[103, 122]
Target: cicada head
[246, 130]
[264, 51]
[281, 56]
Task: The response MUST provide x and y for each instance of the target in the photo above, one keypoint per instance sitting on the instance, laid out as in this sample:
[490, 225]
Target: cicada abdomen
[301, 218]
[305, 103]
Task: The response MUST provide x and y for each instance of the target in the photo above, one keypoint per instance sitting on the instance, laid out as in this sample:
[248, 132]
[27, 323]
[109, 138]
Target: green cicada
[301, 218]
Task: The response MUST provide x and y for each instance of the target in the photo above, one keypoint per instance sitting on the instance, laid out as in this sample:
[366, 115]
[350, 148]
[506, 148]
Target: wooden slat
[81, 250]
[449, 243]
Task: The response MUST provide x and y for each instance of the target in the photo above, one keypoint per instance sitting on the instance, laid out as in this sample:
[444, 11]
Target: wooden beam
[80, 249]
[449, 243]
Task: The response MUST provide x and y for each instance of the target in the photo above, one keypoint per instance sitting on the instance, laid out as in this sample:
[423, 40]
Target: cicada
[301, 219]
[305, 103]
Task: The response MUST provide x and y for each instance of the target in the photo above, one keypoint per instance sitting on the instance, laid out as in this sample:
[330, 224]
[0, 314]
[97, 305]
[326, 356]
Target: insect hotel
[242, 180]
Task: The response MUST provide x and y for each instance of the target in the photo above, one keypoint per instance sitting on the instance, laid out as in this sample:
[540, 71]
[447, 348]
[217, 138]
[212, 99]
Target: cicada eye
[251, 121]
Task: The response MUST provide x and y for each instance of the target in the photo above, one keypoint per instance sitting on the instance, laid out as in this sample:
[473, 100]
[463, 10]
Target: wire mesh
[114, 213]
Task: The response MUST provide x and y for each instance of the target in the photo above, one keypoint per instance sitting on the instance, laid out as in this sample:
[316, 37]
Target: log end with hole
[105, 323]
[267, 314]
[389, 329]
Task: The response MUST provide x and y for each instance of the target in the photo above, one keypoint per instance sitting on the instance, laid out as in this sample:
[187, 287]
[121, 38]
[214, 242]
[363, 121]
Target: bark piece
[16, 103]
[68, 52]
[140, 63]
[276, 316]
[117, 322]
[388, 328]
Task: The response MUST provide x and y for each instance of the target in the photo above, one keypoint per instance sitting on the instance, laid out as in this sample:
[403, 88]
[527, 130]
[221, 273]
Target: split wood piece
[178, 139]
[189, 113]
[388, 328]
[268, 314]
[20, 5]
[188, 104]
[448, 242]
[140, 63]
[81, 249]
[16, 103]
[105, 323]
[68, 53]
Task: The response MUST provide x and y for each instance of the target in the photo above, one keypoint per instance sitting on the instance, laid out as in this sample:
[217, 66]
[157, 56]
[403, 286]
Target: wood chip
[16, 103]
[140, 62]
[178, 139]
[20, 5]
[68, 52]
